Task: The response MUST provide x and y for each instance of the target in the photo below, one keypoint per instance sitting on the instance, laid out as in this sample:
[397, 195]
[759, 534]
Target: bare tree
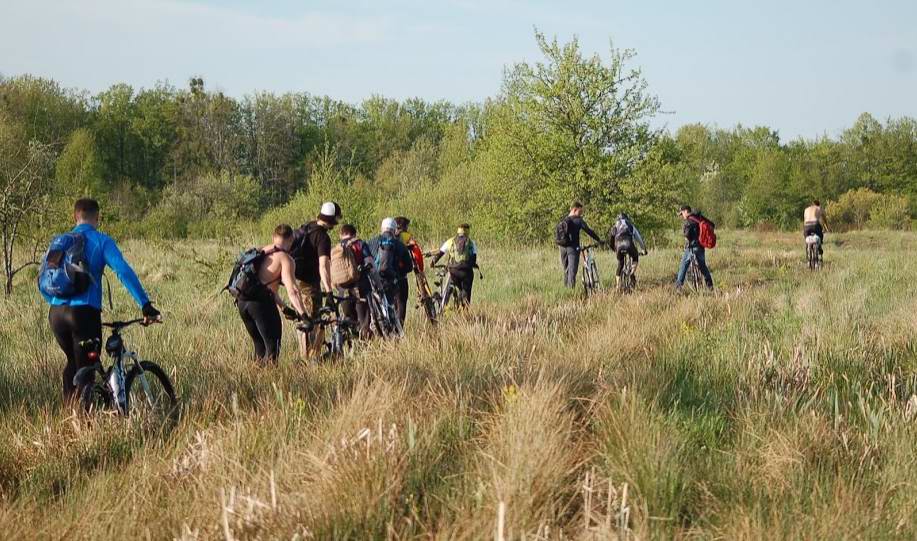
[25, 192]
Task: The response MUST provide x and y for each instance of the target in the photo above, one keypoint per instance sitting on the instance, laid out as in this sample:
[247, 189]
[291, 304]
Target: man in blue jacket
[78, 318]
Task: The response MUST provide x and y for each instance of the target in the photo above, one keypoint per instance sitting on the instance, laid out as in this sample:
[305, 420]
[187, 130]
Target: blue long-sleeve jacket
[101, 250]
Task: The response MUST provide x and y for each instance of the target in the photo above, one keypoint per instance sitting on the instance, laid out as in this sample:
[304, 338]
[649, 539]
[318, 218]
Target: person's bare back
[813, 214]
[271, 270]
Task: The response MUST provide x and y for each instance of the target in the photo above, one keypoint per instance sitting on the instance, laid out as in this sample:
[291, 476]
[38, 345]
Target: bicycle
[117, 389]
[448, 290]
[591, 282]
[628, 280]
[384, 318]
[338, 342]
[813, 252]
[426, 298]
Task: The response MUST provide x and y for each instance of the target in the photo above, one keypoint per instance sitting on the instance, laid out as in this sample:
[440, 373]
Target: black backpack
[562, 235]
[243, 281]
[302, 250]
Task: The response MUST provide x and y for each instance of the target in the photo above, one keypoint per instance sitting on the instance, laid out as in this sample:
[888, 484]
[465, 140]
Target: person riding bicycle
[693, 249]
[815, 223]
[402, 223]
[77, 319]
[461, 260]
[392, 261]
[311, 250]
[356, 307]
[260, 308]
[567, 239]
[625, 237]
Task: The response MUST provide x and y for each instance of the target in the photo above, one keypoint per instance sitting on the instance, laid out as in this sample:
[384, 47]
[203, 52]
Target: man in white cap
[392, 261]
[311, 250]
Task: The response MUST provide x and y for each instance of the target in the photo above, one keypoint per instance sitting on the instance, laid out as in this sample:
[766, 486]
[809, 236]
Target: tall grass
[781, 407]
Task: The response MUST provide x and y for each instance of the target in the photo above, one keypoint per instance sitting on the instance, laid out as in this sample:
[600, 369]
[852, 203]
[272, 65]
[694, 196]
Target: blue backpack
[64, 271]
[386, 258]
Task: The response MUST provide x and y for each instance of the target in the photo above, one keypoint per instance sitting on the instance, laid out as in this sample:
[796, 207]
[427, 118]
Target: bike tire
[429, 309]
[163, 405]
[695, 277]
[94, 397]
[377, 317]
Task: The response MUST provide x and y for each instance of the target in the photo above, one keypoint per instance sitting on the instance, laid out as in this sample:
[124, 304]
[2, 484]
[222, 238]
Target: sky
[806, 68]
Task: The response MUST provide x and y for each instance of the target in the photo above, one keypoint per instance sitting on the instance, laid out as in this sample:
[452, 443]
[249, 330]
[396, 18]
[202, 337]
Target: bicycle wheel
[429, 309]
[153, 395]
[94, 396]
[695, 277]
[377, 317]
[591, 278]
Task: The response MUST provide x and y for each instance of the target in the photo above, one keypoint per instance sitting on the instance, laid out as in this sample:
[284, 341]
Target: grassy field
[781, 407]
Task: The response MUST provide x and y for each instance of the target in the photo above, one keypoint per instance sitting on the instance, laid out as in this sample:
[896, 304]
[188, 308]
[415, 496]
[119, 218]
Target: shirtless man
[814, 222]
[261, 310]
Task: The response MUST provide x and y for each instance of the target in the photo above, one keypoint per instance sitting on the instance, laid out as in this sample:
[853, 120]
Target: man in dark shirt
[311, 250]
[691, 231]
[392, 261]
[569, 251]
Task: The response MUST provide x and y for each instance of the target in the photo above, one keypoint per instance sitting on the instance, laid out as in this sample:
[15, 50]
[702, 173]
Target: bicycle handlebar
[123, 324]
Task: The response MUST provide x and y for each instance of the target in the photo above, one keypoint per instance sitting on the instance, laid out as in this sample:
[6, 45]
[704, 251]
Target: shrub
[224, 201]
[863, 207]
[890, 212]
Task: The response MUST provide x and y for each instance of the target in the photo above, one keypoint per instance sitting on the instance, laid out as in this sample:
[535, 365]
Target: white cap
[330, 208]
[389, 224]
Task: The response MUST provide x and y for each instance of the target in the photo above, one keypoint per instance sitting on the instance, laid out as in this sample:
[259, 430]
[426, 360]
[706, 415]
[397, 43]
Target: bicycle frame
[118, 352]
[591, 281]
[627, 273]
[378, 301]
[813, 252]
[447, 289]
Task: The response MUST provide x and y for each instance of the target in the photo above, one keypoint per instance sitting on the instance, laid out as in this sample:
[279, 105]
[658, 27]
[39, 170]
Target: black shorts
[816, 229]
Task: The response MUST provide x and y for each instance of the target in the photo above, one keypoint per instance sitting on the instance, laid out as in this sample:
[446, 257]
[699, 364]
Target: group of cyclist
[625, 240]
[302, 261]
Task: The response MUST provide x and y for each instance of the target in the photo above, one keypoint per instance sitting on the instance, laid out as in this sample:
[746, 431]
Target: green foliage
[890, 212]
[79, 170]
[571, 127]
[863, 207]
[214, 204]
[852, 209]
[356, 196]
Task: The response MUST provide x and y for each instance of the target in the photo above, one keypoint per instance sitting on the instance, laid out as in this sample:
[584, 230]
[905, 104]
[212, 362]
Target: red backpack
[707, 235]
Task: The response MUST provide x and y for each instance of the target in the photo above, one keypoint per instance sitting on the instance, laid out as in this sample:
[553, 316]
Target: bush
[863, 207]
[357, 199]
[890, 212]
[217, 205]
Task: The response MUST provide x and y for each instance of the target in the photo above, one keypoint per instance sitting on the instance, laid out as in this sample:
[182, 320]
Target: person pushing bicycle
[694, 248]
[625, 237]
[462, 259]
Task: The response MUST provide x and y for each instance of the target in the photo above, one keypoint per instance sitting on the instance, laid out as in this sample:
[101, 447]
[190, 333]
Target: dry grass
[782, 407]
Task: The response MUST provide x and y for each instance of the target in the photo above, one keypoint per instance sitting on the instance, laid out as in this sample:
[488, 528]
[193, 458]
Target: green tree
[79, 170]
[570, 127]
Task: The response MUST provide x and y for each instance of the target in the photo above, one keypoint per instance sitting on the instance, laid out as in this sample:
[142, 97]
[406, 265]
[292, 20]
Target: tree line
[177, 162]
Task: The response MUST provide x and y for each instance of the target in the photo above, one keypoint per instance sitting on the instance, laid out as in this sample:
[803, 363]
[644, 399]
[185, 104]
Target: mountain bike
[695, 277]
[384, 318]
[628, 281]
[338, 342]
[591, 282]
[813, 252]
[427, 299]
[130, 385]
[448, 290]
